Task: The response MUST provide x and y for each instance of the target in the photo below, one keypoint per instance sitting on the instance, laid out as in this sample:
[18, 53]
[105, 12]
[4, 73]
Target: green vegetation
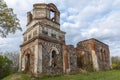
[18, 76]
[116, 62]
[9, 23]
[102, 75]
[5, 66]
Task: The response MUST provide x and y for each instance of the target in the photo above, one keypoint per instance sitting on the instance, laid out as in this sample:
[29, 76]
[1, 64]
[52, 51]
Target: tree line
[9, 63]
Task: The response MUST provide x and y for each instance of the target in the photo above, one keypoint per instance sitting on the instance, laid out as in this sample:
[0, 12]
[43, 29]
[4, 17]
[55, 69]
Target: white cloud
[81, 19]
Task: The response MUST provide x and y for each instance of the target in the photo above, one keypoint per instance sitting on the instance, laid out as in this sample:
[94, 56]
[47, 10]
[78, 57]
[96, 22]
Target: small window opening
[53, 35]
[29, 36]
[35, 32]
[45, 32]
[25, 38]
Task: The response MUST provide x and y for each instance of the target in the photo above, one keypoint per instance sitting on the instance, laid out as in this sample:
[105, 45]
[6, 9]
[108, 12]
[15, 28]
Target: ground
[102, 75]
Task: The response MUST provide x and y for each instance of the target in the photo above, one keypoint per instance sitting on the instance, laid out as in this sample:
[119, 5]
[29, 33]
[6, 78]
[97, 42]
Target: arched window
[52, 15]
[101, 57]
[105, 55]
[53, 57]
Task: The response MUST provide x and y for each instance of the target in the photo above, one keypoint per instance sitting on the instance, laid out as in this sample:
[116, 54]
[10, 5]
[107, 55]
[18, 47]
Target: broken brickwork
[94, 54]
[72, 58]
[44, 51]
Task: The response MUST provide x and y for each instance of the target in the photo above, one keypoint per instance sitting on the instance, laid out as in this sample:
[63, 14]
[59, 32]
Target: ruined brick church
[44, 50]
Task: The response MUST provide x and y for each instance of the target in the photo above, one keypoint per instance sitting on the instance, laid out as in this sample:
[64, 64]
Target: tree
[5, 66]
[9, 23]
[14, 57]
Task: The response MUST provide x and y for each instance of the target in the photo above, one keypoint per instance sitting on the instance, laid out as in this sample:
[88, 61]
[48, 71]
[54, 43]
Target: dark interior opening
[54, 58]
[79, 62]
[27, 64]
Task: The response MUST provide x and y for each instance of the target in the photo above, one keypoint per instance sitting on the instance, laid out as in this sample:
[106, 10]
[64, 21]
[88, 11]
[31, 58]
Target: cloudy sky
[80, 19]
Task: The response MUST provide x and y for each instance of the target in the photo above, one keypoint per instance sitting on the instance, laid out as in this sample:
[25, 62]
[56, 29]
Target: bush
[116, 66]
[116, 62]
[5, 66]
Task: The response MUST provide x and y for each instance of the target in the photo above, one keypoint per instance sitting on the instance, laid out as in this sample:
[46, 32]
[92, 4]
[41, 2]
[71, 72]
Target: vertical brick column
[40, 59]
[36, 59]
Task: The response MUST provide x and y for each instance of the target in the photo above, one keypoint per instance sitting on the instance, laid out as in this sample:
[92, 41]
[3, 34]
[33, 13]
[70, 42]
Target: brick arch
[27, 51]
[54, 49]
[54, 12]
[27, 59]
[53, 7]
[56, 52]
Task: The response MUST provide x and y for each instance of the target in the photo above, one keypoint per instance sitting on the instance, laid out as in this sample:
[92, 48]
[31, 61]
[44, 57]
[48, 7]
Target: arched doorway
[27, 62]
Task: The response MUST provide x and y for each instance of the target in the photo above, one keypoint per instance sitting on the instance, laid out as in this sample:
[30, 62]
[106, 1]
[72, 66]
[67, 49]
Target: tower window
[25, 38]
[45, 32]
[52, 15]
[29, 36]
[35, 32]
[53, 35]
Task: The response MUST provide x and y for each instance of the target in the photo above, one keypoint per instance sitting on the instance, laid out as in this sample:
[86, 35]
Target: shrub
[116, 62]
[5, 66]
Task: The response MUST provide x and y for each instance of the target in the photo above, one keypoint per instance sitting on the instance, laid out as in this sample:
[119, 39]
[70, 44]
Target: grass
[102, 75]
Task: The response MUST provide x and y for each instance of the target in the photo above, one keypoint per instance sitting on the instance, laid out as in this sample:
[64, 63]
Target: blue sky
[80, 19]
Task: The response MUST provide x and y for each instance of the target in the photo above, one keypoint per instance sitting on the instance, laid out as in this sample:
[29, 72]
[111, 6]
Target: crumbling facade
[94, 55]
[44, 50]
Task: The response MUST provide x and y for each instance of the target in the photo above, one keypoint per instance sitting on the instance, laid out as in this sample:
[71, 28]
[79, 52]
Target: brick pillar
[40, 59]
[65, 60]
[20, 61]
[36, 58]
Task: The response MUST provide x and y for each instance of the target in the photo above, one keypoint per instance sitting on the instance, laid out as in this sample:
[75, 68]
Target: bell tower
[46, 14]
[42, 48]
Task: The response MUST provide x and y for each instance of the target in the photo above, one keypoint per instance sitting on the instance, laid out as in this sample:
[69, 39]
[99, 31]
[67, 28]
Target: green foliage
[14, 57]
[18, 76]
[116, 62]
[5, 66]
[106, 75]
[114, 66]
[9, 23]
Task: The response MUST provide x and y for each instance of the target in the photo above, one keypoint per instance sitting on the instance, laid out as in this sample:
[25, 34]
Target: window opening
[52, 15]
[54, 58]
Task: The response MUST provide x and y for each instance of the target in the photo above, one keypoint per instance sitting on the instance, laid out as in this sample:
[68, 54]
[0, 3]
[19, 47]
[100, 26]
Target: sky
[80, 19]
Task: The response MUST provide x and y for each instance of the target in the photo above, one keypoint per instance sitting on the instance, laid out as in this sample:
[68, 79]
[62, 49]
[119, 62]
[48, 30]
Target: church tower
[42, 49]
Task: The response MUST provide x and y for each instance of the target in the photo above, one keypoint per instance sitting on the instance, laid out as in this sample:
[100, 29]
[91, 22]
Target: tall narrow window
[105, 55]
[52, 15]
[54, 58]
[101, 57]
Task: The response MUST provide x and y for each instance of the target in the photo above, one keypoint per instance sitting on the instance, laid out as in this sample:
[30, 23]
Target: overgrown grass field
[102, 75]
